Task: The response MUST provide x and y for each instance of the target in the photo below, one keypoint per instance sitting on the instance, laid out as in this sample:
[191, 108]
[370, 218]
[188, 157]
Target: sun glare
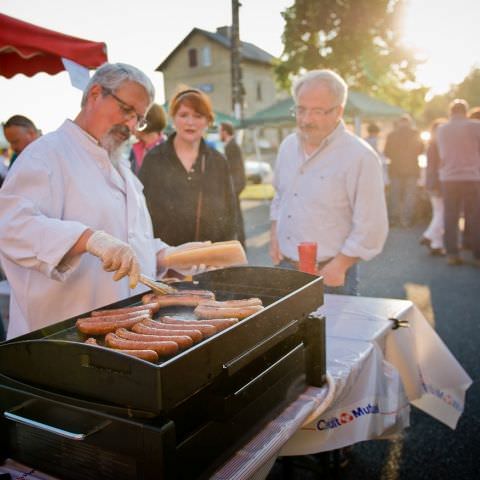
[443, 33]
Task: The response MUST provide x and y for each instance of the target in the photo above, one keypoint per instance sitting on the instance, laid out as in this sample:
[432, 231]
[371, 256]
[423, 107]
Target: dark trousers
[403, 197]
[240, 226]
[458, 195]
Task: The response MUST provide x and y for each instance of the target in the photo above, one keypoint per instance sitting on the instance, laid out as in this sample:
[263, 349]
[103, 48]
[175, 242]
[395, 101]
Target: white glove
[117, 256]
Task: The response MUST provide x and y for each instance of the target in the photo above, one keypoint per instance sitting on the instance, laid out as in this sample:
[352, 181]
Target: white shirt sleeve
[369, 216]
[32, 235]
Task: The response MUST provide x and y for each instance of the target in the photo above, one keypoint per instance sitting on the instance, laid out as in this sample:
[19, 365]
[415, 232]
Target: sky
[144, 32]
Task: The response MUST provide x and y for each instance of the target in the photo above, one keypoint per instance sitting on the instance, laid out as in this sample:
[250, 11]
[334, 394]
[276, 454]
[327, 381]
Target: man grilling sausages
[67, 201]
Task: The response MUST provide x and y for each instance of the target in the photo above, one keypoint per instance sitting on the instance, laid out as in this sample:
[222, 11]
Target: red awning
[28, 49]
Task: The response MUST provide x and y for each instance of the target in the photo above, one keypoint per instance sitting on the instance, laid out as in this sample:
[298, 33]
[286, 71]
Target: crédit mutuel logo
[347, 417]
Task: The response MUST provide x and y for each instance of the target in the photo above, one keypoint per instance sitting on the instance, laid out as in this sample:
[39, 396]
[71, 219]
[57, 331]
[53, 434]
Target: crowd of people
[451, 179]
[83, 201]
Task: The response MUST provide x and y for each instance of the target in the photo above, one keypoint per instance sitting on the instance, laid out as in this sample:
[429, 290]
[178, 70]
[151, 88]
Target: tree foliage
[359, 39]
[468, 89]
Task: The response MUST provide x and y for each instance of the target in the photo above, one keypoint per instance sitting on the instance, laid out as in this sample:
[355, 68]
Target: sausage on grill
[93, 326]
[183, 340]
[206, 312]
[218, 323]
[163, 348]
[151, 307]
[163, 329]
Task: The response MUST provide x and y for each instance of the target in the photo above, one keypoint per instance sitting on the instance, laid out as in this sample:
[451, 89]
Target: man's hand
[334, 271]
[274, 250]
[117, 256]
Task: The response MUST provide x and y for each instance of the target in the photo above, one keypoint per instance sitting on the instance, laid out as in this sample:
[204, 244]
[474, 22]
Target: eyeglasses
[315, 112]
[127, 110]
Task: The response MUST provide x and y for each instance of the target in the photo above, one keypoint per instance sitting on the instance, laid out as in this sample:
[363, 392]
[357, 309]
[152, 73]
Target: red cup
[307, 254]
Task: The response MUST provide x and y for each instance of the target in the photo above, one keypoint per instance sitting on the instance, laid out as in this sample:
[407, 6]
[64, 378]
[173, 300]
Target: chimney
[225, 31]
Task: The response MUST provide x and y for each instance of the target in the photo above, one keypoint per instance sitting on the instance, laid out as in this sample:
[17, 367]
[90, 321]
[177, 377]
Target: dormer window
[192, 58]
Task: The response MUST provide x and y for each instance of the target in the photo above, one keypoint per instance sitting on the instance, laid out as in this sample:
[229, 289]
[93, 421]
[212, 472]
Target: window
[192, 57]
[259, 92]
[206, 56]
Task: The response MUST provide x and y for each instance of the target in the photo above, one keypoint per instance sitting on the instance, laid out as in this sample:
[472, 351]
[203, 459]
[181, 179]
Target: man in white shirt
[329, 187]
[65, 203]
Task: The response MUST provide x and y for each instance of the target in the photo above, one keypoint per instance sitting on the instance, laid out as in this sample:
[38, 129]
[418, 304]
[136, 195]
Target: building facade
[202, 60]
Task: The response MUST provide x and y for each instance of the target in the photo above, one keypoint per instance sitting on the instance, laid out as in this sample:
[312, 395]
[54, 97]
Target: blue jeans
[351, 280]
[403, 197]
[458, 195]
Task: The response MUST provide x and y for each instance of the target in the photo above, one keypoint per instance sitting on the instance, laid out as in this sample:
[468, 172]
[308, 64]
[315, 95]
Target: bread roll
[219, 254]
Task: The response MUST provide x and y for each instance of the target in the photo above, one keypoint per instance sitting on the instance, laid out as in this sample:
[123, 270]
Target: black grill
[180, 418]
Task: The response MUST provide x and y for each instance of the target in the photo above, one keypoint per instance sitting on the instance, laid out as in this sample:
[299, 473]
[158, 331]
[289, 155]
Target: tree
[468, 89]
[359, 39]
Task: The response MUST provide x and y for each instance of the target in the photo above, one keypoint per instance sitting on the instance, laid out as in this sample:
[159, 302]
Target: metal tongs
[159, 288]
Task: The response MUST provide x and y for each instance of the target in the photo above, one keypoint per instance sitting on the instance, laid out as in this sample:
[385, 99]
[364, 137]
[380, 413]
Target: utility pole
[236, 70]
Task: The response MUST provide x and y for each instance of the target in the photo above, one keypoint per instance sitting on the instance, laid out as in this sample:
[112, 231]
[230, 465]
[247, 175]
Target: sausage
[183, 340]
[247, 302]
[203, 311]
[194, 334]
[91, 341]
[152, 307]
[163, 348]
[149, 355]
[218, 323]
[116, 317]
[182, 298]
[101, 327]
[206, 330]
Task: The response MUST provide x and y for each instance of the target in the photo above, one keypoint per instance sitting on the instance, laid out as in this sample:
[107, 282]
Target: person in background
[4, 162]
[19, 131]
[188, 186]
[402, 147]
[373, 131]
[237, 170]
[474, 113]
[458, 143]
[328, 188]
[151, 136]
[71, 212]
[433, 235]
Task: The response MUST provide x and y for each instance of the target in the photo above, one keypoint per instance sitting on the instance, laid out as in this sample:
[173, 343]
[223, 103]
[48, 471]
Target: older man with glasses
[329, 188]
[65, 203]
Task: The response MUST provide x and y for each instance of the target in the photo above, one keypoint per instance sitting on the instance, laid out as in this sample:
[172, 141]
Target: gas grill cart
[80, 411]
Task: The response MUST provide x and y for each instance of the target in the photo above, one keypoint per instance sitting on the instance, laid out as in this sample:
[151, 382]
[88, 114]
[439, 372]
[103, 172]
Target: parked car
[258, 171]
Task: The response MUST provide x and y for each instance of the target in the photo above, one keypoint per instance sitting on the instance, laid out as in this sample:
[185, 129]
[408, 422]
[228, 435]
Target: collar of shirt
[97, 152]
[337, 132]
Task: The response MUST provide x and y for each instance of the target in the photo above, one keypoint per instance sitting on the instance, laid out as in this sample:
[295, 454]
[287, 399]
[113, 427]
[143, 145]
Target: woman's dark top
[172, 195]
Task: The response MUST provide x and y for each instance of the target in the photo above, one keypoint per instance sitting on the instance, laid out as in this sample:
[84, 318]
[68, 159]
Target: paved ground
[449, 298]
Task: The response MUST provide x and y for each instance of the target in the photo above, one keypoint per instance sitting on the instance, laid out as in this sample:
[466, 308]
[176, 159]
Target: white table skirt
[377, 372]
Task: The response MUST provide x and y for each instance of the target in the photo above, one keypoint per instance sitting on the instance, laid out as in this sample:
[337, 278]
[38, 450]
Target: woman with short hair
[187, 184]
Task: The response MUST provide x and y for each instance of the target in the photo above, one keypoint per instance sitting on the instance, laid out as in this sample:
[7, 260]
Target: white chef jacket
[334, 197]
[61, 184]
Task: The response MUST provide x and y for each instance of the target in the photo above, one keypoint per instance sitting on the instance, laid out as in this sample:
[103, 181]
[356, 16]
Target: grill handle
[15, 417]
[236, 364]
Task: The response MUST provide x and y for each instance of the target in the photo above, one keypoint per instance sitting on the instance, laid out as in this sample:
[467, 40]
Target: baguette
[219, 254]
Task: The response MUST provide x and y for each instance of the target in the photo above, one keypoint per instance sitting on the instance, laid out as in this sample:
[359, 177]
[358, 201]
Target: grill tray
[56, 359]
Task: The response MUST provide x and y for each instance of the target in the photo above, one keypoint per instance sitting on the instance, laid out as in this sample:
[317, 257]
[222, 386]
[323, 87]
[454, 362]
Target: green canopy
[358, 105]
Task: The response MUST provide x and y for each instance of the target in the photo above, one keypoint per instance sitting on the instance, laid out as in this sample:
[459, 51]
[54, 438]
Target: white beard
[114, 143]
